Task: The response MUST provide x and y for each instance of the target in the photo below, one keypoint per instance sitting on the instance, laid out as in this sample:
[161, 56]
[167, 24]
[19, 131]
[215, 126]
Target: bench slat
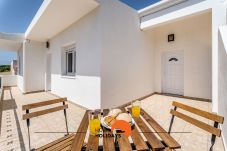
[42, 112]
[138, 140]
[108, 142]
[78, 141]
[208, 115]
[54, 142]
[61, 145]
[93, 143]
[197, 123]
[169, 140]
[66, 149]
[44, 103]
[151, 138]
[64, 146]
[124, 143]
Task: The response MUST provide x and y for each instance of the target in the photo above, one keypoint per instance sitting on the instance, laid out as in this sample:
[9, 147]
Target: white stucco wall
[222, 79]
[127, 56]
[34, 66]
[114, 58]
[193, 37]
[219, 11]
[83, 89]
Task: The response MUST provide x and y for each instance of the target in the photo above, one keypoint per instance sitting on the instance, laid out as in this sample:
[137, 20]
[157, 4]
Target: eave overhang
[11, 41]
[54, 16]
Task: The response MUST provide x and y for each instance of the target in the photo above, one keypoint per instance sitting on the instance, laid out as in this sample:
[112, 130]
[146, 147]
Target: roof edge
[158, 6]
[39, 13]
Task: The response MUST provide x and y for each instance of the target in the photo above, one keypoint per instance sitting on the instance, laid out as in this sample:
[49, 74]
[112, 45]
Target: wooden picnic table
[163, 142]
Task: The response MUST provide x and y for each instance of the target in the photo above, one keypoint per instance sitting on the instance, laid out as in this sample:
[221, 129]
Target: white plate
[104, 124]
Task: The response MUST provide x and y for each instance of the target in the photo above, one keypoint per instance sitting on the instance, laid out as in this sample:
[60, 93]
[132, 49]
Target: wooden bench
[214, 130]
[63, 143]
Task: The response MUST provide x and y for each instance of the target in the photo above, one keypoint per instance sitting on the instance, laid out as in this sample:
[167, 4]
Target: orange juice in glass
[136, 108]
[94, 123]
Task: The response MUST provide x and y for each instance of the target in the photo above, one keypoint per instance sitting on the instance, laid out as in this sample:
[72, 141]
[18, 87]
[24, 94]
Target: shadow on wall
[10, 106]
[171, 9]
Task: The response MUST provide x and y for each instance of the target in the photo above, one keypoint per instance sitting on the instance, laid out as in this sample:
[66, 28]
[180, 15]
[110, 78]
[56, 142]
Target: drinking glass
[94, 123]
[136, 108]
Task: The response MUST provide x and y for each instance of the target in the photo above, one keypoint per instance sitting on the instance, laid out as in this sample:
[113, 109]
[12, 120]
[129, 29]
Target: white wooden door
[173, 73]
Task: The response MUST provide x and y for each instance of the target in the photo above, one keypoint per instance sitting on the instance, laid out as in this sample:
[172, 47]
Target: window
[69, 61]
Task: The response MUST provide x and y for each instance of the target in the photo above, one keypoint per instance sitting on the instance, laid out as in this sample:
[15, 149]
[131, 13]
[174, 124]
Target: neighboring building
[102, 54]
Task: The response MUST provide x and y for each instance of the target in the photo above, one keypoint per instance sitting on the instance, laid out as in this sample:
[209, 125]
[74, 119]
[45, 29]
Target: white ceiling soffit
[56, 15]
[10, 41]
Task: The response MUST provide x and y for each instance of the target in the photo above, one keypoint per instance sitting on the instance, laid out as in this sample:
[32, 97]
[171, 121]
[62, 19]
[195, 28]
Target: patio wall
[193, 37]
[9, 80]
[222, 80]
[219, 11]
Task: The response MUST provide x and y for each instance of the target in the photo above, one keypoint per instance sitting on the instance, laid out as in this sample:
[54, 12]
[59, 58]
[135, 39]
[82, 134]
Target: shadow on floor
[10, 104]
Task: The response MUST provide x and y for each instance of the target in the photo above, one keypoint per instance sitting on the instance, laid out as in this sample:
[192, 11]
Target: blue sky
[16, 15]
[139, 4]
[6, 57]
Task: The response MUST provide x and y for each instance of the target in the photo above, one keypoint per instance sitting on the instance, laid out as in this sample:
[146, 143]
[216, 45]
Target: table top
[122, 143]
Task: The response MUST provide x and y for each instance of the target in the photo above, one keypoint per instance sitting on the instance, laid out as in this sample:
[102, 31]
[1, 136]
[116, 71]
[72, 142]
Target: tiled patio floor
[44, 128]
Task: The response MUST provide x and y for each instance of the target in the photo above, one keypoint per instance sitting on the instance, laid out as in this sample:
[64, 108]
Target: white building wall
[127, 55]
[222, 78]
[193, 37]
[34, 66]
[218, 19]
[114, 58]
[85, 88]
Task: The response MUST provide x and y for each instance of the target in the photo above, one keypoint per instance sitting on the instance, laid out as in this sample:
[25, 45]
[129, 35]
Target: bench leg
[66, 123]
[213, 137]
[28, 125]
[171, 122]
